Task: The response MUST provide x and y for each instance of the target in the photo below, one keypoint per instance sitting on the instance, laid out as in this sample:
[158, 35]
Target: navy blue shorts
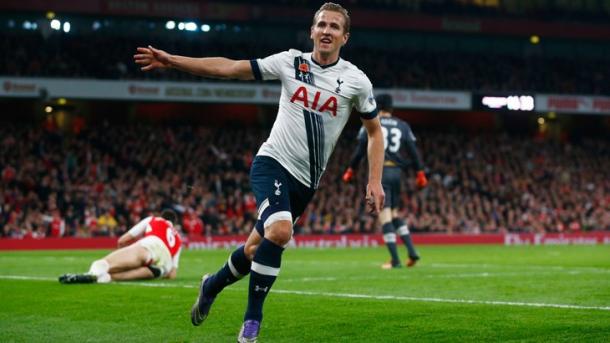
[279, 196]
[391, 186]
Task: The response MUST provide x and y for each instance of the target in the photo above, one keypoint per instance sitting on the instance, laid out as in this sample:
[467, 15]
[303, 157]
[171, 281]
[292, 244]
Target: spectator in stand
[192, 223]
[106, 223]
[57, 225]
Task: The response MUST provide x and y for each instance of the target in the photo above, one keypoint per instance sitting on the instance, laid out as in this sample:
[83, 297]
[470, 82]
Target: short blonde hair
[331, 6]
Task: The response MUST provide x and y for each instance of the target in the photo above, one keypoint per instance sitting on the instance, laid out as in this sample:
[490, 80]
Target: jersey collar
[326, 65]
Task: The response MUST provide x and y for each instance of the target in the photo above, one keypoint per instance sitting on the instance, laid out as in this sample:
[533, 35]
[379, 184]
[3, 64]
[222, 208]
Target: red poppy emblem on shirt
[304, 67]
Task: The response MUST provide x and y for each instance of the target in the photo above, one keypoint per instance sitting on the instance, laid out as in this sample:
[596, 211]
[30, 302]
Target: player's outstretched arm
[374, 191]
[216, 67]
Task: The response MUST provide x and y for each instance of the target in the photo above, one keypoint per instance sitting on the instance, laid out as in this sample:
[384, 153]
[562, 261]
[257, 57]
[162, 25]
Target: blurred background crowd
[447, 63]
[105, 179]
[102, 177]
[517, 45]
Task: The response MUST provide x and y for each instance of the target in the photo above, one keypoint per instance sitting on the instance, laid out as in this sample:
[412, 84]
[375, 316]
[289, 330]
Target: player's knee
[250, 250]
[385, 216]
[279, 232]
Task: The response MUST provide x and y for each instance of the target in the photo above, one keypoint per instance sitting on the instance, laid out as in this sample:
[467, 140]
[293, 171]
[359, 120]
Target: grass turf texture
[329, 295]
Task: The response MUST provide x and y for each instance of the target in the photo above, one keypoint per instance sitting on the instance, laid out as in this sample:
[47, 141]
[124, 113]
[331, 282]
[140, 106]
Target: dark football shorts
[279, 196]
[391, 186]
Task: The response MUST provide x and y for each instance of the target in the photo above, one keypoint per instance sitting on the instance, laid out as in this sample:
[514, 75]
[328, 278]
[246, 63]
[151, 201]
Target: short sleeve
[365, 101]
[138, 229]
[270, 67]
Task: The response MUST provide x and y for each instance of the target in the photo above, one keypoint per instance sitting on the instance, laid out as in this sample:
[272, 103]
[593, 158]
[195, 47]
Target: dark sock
[403, 230]
[390, 241]
[265, 267]
[225, 276]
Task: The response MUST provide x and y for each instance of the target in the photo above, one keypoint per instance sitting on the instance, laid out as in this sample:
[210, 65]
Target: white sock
[99, 268]
[104, 278]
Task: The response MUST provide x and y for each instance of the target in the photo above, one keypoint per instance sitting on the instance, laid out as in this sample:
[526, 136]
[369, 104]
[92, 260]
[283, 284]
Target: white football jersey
[315, 104]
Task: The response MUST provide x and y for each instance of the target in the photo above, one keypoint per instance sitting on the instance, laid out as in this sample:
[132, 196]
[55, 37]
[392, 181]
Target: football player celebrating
[319, 91]
[155, 255]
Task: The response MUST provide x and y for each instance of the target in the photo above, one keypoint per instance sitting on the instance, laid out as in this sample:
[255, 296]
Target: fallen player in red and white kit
[151, 249]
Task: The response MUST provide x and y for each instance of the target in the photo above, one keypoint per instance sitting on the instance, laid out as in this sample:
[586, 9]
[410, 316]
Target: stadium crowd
[59, 55]
[105, 179]
[584, 11]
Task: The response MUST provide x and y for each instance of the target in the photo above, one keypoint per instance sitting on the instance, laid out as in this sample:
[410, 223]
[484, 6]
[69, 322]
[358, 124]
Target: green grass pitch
[456, 293]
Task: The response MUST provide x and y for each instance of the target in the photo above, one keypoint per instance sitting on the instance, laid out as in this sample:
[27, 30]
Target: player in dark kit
[397, 134]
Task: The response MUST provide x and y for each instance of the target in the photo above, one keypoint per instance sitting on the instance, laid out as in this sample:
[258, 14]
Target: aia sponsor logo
[314, 101]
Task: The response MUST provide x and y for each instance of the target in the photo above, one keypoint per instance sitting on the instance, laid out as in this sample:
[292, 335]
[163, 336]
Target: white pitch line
[359, 264]
[443, 300]
[347, 295]
[18, 277]
[439, 276]
[533, 267]
[460, 265]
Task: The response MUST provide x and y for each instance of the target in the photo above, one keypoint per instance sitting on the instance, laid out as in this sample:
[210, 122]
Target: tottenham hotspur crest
[339, 82]
[277, 186]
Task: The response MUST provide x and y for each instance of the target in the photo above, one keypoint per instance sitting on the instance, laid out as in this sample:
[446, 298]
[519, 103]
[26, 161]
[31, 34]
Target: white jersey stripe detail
[265, 270]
